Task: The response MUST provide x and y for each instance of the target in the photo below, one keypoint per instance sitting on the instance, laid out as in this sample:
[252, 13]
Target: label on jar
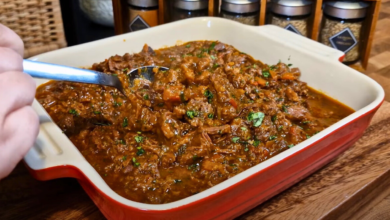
[138, 24]
[343, 40]
[291, 28]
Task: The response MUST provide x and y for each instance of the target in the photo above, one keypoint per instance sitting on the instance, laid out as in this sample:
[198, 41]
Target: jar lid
[143, 3]
[241, 6]
[191, 5]
[346, 10]
[292, 7]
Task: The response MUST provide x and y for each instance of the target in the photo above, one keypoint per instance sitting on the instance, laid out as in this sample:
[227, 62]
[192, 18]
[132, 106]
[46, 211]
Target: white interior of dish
[318, 63]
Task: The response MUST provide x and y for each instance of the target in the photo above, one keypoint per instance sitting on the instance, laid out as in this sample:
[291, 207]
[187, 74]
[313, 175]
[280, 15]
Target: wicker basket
[37, 22]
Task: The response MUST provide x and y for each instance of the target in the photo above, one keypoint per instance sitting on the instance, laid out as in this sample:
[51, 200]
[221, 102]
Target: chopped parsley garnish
[254, 66]
[273, 67]
[235, 139]
[124, 158]
[215, 65]
[125, 69]
[246, 149]
[289, 65]
[273, 137]
[244, 128]
[74, 112]
[135, 162]
[280, 127]
[256, 143]
[274, 118]
[306, 122]
[213, 57]
[256, 118]
[117, 104]
[188, 45]
[212, 46]
[115, 74]
[140, 151]
[125, 122]
[96, 112]
[211, 115]
[191, 114]
[177, 181]
[193, 167]
[121, 141]
[266, 74]
[146, 97]
[139, 139]
[284, 108]
[290, 146]
[308, 136]
[194, 157]
[209, 95]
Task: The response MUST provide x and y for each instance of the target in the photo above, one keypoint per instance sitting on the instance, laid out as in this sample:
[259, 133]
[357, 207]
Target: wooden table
[347, 188]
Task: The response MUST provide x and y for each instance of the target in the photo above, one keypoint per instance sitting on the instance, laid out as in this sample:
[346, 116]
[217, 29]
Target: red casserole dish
[54, 156]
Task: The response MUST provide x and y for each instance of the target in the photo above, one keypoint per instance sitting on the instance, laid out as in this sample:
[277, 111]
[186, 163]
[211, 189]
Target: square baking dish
[54, 155]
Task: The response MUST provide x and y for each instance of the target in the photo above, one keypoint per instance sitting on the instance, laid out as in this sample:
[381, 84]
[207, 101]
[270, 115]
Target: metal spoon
[73, 74]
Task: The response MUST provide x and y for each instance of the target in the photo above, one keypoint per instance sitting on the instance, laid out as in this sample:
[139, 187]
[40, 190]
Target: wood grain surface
[349, 187]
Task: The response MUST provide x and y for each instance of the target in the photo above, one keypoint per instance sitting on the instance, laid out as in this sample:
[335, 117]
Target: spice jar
[243, 11]
[342, 27]
[189, 8]
[291, 15]
[142, 14]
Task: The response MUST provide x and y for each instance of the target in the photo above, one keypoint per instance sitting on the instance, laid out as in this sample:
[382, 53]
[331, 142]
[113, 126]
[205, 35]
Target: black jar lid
[346, 10]
[191, 5]
[143, 3]
[241, 6]
[291, 7]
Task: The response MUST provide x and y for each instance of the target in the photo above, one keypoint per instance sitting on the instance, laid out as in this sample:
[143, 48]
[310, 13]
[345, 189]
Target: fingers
[10, 39]
[10, 60]
[19, 132]
[17, 90]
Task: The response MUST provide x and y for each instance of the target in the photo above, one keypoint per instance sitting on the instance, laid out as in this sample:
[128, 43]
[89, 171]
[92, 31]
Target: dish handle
[300, 42]
[46, 159]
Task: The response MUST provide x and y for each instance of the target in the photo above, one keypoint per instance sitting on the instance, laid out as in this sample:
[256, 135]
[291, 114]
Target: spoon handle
[57, 72]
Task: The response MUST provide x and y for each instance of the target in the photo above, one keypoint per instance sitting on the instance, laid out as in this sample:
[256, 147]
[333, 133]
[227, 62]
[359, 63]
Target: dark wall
[78, 28]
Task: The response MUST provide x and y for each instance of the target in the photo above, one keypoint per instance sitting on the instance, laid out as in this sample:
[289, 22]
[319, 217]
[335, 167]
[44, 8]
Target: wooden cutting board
[354, 186]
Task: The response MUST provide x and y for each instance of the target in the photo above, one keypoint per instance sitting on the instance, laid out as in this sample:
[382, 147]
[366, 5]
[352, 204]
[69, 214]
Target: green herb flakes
[273, 137]
[284, 108]
[256, 118]
[290, 146]
[124, 158]
[213, 57]
[146, 97]
[266, 74]
[125, 122]
[212, 46]
[211, 115]
[191, 114]
[139, 139]
[256, 143]
[209, 95]
[135, 163]
[244, 129]
[235, 139]
[140, 151]
[74, 112]
[188, 45]
[274, 118]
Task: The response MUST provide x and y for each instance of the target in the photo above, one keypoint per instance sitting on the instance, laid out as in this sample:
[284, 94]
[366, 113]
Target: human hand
[18, 121]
